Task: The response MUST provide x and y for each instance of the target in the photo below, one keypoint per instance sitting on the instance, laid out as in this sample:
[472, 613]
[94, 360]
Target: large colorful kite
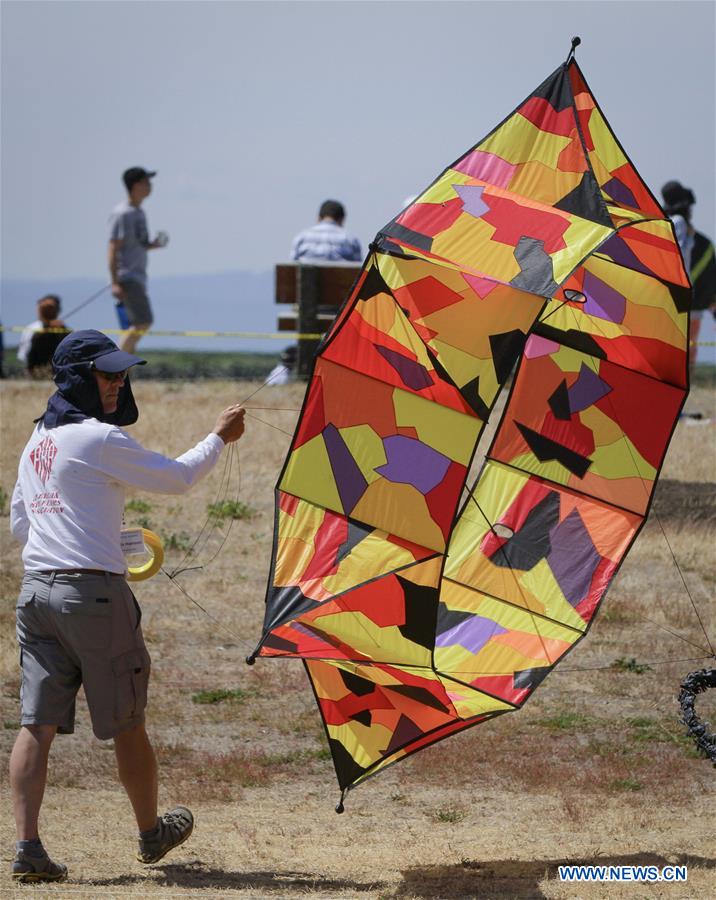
[420, 605]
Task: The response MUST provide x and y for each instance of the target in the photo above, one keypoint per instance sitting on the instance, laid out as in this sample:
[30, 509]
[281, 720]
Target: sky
[254, 112]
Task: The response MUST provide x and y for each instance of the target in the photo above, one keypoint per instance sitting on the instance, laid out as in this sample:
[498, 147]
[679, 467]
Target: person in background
[327, 239]
[46, 340]
[48, 308]
[285, 371]
[698, 253]
[128, 246]
[78, 622]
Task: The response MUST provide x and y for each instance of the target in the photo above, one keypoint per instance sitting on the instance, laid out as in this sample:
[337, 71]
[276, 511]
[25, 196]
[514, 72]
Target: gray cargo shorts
[81, 629]
[136, 303]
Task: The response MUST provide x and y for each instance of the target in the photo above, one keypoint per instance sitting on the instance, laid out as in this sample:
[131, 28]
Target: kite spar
[422, 606]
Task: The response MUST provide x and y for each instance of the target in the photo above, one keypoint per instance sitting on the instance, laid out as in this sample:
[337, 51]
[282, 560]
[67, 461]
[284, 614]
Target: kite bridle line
[211, 523]
[562, 670]
[172, 576]
[223, 490]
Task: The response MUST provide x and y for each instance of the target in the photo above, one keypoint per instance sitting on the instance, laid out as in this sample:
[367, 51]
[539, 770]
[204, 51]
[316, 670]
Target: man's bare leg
[28, 776]
[131, 337]
[137, 767]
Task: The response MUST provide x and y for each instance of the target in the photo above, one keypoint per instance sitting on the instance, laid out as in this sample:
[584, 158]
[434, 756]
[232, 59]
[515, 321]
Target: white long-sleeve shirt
[68, 502]
[23, 348]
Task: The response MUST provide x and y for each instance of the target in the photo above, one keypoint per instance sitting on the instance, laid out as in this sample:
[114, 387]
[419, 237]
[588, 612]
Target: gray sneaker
[173, 828]
[27, 868]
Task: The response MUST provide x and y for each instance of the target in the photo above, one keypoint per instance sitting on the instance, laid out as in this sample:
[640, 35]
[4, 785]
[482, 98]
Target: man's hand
[230, 424]
[118, 291]
[161, 240]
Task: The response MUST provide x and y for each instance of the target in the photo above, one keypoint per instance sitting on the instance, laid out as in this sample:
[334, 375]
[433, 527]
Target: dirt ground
[595, 769]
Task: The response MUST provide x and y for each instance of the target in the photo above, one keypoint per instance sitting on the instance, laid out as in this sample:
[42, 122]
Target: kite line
[211, 523]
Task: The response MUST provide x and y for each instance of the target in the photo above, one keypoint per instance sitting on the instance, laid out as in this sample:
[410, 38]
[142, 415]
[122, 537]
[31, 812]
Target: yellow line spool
[152, 544]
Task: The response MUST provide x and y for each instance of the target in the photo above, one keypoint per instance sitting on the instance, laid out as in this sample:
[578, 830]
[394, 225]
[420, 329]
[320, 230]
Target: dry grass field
[594, 769]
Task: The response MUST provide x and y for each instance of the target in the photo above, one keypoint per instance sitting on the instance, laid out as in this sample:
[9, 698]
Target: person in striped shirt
[327, 239]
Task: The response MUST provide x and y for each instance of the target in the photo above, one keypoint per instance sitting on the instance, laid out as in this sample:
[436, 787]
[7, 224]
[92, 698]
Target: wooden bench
[315, 290]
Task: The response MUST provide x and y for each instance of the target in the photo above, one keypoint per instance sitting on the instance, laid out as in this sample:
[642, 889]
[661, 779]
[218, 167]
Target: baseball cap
[136, 173]
[92, 346]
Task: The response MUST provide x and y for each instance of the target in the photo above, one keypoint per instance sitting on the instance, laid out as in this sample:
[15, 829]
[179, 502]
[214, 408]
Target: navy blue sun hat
[77, 396]
[93, 346]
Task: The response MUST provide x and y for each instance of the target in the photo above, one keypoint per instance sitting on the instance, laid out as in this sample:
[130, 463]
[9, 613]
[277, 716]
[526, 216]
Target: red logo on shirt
[42, 458]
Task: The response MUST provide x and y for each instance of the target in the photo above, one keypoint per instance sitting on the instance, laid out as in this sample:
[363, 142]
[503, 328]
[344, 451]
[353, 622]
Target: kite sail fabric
[421, 605]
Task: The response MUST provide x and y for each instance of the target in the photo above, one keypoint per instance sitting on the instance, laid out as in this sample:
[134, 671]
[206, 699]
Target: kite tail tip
[340, 808]
[251, 658]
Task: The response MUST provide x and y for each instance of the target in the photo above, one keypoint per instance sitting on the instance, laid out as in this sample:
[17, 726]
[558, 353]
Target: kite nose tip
[576, 41]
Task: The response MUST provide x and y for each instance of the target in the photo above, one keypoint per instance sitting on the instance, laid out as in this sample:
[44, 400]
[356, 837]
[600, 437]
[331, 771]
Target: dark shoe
[173, 828]
[26, 868]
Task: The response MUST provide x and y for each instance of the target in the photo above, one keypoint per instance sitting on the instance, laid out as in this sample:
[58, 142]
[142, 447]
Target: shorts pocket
[131, 680]
[25, 599]
[87, 621]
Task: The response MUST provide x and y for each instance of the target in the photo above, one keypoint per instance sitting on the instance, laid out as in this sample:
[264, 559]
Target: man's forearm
[113, 260]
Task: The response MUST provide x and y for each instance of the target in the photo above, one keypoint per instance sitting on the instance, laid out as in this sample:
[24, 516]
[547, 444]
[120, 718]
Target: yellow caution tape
[153, 545]
[257, 335]
[260, 335]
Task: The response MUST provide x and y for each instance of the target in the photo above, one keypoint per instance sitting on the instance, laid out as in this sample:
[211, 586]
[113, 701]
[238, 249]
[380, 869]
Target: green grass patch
[230, 509]
[250, 768]
[643, 729]
[626, 784]
[567, 721]
[630, 665]
[608, 749]
[3, 501]
[703, 376]
[137, 505]
[183, 365]
[449, 815]
[323, 753]
[174, 541]
[615, 614]
[220, 695]
[190, 365]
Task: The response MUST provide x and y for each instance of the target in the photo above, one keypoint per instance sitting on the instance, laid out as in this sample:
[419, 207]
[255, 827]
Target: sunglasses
[111, 376]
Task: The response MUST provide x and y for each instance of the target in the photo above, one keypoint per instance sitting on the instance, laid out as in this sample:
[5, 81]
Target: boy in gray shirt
[128, 246]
